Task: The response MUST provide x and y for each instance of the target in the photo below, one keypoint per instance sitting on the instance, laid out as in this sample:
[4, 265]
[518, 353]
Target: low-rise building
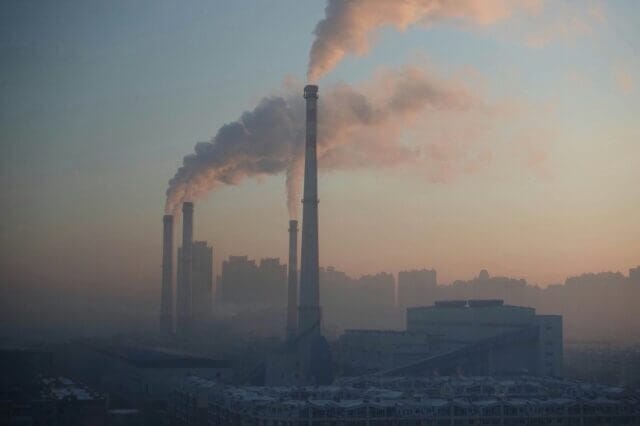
[432, 401]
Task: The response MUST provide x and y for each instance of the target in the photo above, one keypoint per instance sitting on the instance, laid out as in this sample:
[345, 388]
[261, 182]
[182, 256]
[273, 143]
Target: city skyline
[104, 101]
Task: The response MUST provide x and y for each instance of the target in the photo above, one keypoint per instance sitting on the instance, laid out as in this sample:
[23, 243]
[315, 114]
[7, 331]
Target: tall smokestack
[309, 310]
[314, 351]
[166, 295]
[184, 285]
[292, 294]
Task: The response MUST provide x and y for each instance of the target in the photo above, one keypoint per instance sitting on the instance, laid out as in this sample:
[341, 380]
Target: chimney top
[311, 91]
[167, 218]
[293, 225]
[187, 205]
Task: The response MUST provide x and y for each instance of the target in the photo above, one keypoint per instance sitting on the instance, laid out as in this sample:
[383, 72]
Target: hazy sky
[101, 101]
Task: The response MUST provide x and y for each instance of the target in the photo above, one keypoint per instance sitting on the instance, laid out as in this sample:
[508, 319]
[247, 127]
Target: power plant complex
[415, 375]
[303, 313]
[480, 336]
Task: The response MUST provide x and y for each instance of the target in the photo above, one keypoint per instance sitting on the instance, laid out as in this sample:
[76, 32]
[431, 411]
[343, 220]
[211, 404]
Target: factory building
[477, 337]
[535, 341]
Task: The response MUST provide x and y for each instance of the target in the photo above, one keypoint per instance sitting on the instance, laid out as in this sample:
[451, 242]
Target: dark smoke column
[166, 296]
[309, 310]
[292, 293]
[183, 306]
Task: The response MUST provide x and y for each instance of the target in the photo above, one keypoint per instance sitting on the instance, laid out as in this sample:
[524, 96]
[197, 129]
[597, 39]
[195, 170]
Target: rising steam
[358, 127]
[349, 25]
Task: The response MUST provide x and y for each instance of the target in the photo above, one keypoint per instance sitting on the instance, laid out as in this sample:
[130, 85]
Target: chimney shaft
[166, 296]
[292, 293]
[309, 309]
[184, 285]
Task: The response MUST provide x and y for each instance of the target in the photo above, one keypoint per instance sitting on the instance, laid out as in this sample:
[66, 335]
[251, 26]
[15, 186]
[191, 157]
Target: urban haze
[340, 212]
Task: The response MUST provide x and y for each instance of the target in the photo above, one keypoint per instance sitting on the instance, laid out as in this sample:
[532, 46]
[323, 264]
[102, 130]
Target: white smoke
[358, 127]
[349, 26]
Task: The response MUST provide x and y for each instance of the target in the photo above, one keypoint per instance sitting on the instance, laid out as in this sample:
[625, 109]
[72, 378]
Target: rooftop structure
[484, 400]
[63, 388]
[52, 401]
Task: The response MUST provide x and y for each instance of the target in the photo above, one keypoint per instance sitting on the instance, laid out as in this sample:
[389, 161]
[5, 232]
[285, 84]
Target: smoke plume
[358, 127]
[348, 26]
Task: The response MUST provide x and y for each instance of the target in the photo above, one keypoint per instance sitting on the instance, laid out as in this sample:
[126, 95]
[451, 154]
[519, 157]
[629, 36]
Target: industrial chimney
[183, 308]
[314, 351]
[309, 310]
[166, 295]
[292, 293]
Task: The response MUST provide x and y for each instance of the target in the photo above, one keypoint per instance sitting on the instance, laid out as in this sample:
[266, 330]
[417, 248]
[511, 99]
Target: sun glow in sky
[102, 100]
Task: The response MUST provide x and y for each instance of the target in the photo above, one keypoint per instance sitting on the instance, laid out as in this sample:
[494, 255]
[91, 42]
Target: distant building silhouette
[590, 279]
[244, 283]
[202, 281]
[416, 287]
[634, 275]
[341, 290]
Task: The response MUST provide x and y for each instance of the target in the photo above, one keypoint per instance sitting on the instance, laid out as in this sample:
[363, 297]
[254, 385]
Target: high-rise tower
[166, 295]
[201, 282]
[292, 287]
[309, 308]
